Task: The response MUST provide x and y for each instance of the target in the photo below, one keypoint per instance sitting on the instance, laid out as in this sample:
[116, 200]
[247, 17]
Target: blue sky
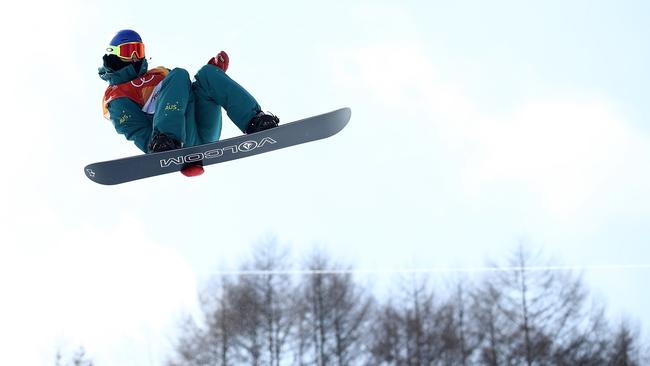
[475, 125]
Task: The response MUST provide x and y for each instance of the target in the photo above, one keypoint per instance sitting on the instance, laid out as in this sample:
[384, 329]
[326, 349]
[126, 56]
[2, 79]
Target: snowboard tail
[149, 165]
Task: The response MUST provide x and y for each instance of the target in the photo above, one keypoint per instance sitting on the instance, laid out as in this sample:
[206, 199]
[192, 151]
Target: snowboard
[285, 135]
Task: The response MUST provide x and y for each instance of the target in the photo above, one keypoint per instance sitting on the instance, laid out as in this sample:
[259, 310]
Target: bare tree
[422, 347]
[587, 341]
[210, 344]
[387, 337]
[248, 318]
[78, 359]
[272, 292]
[262, 308]
[624, 348]
[542, 315]
[407, 331]
[488, 319]
[458, 337]
[333, 318]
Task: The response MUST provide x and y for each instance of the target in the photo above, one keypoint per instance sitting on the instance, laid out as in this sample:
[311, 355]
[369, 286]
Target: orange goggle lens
[127, 50]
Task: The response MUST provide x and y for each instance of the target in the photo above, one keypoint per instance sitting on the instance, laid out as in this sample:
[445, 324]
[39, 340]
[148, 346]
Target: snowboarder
[161, 109]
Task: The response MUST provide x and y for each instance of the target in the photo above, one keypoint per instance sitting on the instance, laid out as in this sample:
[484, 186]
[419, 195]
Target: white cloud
[566, 152]
[111, 290]
[401, 75]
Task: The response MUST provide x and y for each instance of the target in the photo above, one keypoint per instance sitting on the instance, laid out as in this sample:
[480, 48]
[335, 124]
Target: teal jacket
[188, 111]
[127, 117]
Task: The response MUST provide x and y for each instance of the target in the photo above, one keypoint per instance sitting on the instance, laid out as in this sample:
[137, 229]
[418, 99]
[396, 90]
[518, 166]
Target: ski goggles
[127, 50]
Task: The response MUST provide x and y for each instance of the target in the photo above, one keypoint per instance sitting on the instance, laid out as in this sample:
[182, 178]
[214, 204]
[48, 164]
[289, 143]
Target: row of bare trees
[519, 315]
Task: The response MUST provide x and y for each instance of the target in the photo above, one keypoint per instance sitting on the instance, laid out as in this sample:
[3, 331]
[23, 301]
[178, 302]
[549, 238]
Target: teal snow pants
[191, 111]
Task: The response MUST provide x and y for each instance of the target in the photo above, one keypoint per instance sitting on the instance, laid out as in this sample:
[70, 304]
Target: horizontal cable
[607, 267]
